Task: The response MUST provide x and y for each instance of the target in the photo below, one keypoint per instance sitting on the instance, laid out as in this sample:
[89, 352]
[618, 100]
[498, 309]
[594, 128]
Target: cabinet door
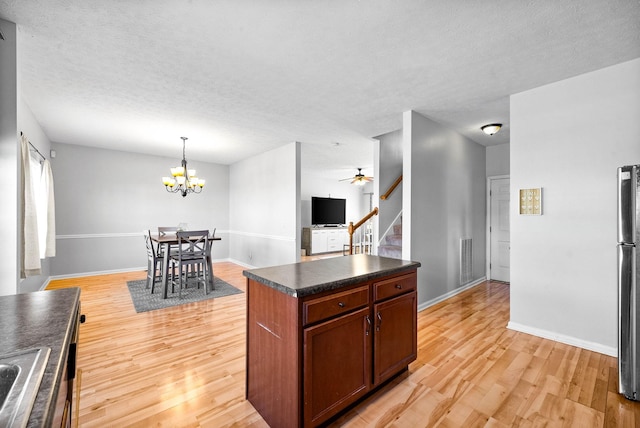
[334, 241]
[318, 241]
[395, 336]
[337, 365]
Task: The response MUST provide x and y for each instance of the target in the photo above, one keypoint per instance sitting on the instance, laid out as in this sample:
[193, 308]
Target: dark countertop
[308, 278]
[32, 320]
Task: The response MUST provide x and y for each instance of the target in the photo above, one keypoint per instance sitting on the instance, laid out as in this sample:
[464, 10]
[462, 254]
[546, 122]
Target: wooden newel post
[350, 238]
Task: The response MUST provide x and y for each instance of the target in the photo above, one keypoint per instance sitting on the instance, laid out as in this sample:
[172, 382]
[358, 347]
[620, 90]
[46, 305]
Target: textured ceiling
[241, 77]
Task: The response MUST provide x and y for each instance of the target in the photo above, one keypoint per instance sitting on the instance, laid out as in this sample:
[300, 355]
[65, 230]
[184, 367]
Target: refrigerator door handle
[627, 179]
[628, 370]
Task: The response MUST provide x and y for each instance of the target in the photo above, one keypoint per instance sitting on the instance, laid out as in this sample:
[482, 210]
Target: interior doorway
[499, 235]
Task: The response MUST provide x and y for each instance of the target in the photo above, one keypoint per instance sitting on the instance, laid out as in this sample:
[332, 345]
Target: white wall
[444, 199]
[265, 208]
[9, 157]
[106, 198]
[498, 160]
[568, 138]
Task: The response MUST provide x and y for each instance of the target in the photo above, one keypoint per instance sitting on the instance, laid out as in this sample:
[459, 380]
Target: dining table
[168, 240]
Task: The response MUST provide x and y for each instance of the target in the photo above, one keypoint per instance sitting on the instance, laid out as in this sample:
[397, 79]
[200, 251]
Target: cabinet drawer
[334, 304]
[394, 286]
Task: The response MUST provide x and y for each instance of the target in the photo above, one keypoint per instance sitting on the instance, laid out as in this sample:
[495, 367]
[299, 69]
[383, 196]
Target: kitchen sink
[20, 376]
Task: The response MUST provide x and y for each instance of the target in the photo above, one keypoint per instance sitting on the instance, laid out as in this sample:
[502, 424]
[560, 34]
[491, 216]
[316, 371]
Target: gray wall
[9, 155]
[444, 199]
[563, 263]
[498, 160]
[265, 208]
[106, 198]
[390, 168]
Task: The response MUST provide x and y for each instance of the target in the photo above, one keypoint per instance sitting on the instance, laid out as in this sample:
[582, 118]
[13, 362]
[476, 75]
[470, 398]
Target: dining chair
[162, 231]
[165, 230]
[193, 250]
[154, 262]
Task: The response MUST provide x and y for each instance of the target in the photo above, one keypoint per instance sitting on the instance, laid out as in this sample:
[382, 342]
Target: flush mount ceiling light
[491, 128]
[183, 180]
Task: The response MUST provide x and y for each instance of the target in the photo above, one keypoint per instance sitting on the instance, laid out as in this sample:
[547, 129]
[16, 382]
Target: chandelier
[183, 180]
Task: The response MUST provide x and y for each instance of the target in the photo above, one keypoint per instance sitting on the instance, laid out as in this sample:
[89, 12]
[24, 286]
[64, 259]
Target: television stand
[326, 239]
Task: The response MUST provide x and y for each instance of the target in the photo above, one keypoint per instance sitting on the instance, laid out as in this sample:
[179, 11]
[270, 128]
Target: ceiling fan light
[492, 128]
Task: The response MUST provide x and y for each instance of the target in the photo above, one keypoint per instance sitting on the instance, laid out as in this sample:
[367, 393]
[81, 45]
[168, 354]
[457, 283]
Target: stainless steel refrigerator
[628, 281]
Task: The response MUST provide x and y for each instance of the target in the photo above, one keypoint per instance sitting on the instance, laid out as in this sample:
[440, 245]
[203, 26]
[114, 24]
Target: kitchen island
[47, 320]
[323, 334]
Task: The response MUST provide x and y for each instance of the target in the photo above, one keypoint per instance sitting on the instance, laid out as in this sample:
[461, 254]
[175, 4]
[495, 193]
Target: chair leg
[172, 277]
[157, 267]
[149, 272]
[208, 276]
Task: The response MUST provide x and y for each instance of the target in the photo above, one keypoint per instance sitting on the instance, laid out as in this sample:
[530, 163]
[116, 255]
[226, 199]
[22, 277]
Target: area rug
[144, 301]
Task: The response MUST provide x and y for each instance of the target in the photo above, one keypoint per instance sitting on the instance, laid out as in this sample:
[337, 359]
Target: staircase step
[394, 240]
[392, 251]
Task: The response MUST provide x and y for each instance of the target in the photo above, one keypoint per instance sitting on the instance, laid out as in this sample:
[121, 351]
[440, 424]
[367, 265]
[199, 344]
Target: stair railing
[386, 232]
[392, 188]
[352, 228]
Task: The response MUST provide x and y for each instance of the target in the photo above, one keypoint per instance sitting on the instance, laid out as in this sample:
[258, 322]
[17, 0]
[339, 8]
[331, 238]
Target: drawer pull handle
[379, 321]
[368, 325]
[341, 304]
[399, 287]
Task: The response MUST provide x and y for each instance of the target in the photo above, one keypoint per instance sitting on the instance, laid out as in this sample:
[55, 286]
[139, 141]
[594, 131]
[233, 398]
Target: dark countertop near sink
[32, 320]
[308, 278]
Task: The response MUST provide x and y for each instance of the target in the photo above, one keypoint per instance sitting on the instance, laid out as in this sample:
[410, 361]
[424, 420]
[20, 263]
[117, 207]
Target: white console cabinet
[318, 240]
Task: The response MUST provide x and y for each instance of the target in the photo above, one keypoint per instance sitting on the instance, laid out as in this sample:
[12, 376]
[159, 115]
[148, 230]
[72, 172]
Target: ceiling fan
[359, 179]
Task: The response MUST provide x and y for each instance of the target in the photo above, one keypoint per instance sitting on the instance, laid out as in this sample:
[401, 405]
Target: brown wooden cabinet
[63, 408]
[309, 358]
[337, 365]
[395, 336]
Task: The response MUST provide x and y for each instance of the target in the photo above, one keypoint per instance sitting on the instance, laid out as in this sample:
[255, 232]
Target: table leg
[209, 267]
[165, 270]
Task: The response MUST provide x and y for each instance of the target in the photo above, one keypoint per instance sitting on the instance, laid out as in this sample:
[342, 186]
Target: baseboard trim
[450, 294]
[107, 272]
[45, 284]
[98, 272]
[239, 263]
[568, 340]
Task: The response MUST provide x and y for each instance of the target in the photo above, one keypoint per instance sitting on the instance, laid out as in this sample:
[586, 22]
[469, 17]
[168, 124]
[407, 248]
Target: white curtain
[47, 211]
[38, 207]
[30, 239]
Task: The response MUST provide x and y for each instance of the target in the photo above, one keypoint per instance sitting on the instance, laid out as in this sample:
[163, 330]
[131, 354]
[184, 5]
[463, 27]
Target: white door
[499, 230]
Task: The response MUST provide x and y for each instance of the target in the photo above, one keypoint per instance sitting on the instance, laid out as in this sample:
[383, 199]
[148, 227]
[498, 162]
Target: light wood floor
[184, 367]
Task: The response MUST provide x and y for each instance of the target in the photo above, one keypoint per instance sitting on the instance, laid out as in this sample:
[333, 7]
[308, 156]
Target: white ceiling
[241, 77]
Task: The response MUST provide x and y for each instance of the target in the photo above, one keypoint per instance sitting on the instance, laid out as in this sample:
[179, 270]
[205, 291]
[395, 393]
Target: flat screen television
[328, 211]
